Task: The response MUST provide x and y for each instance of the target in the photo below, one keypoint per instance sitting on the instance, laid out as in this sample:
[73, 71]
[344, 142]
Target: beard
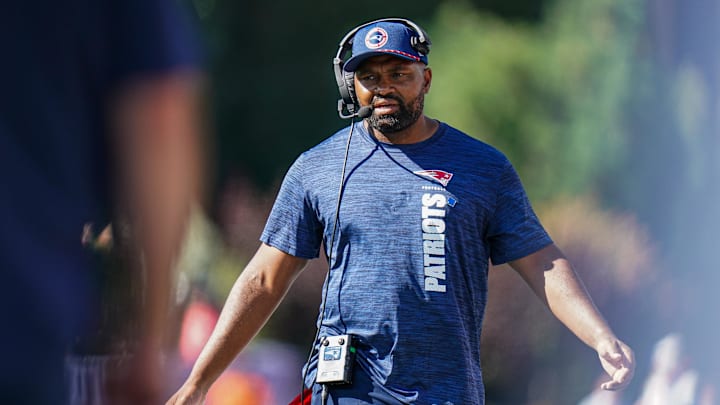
[406, 115]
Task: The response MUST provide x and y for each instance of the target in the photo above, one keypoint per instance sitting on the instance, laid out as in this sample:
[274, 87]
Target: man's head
[389, 36]
[389, 65]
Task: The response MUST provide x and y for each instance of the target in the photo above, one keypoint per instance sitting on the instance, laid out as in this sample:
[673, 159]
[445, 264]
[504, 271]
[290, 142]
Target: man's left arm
[553, 279]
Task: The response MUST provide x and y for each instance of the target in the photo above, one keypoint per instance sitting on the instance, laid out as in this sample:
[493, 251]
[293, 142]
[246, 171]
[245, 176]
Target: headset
[348, 106]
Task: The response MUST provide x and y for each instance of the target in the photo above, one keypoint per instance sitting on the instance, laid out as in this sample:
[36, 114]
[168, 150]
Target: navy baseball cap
[383, 38]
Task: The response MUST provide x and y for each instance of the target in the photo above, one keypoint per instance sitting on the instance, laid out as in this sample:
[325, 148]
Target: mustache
[388, 97]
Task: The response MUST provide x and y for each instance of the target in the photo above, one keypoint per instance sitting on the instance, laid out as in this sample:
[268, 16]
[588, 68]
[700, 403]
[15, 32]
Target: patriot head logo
[376, 38]
[440, 176]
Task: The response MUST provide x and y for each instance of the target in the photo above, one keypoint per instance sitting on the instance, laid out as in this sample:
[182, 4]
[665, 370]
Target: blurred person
[672, 380]
[410, 212]
[99, 114]
[110, 343]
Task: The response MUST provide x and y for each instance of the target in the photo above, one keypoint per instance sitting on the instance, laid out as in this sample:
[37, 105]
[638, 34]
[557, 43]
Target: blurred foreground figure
[673, 380]
[98, 115]
[410, 212]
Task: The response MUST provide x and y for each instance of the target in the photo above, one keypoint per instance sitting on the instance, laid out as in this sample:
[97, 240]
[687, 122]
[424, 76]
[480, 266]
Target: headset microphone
[365, 112]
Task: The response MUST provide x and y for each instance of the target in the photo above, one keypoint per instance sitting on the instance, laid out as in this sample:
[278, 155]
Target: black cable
[326, 283]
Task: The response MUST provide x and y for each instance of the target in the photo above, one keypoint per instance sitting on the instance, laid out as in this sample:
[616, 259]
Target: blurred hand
[618, 360]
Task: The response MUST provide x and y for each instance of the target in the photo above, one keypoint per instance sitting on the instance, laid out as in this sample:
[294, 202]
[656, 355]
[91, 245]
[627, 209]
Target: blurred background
[609, 110]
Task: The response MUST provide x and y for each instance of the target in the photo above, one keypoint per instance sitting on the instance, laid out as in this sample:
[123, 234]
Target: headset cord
[326, 284]
[324, 395]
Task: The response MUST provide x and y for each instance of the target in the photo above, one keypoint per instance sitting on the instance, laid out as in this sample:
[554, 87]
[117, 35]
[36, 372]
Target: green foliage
[550, 95]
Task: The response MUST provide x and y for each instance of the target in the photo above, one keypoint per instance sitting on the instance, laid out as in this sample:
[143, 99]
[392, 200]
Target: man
[98, 113]
[409, 215]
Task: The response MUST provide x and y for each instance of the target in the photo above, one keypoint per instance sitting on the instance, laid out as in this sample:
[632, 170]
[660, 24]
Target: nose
[382, 92]
[383, 86]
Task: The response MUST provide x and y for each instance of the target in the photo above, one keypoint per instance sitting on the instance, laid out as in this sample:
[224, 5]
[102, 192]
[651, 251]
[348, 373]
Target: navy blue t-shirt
[418, 225]
[61, 63]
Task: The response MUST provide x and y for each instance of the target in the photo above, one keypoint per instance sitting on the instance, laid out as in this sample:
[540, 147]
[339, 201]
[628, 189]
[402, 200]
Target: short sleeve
[293, 225]
[514, 231]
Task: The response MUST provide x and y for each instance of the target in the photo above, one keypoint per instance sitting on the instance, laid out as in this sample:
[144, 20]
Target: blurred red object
[307, 398]
[238, 388]
[197, 325]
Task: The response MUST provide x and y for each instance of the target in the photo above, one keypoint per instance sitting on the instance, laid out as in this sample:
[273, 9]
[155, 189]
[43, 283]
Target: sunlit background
[609, 110]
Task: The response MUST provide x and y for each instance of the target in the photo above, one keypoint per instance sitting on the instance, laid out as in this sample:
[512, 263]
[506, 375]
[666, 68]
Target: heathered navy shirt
[418, 225]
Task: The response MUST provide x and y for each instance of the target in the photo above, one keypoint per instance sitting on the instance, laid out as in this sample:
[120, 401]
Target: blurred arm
[553, 279]
[158, 155]
[252, 299]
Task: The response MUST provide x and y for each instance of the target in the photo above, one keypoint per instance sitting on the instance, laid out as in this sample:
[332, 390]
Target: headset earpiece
[347, 104]
[422, 46]
[350, 85]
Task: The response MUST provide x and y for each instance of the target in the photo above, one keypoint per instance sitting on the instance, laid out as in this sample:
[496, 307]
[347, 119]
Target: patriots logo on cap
[376, 38]
[439, 175]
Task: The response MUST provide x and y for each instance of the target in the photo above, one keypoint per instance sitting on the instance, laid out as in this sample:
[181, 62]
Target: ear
[427, 75]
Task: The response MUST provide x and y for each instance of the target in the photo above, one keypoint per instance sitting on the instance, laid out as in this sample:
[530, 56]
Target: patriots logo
[376, 38]
[440, 176]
